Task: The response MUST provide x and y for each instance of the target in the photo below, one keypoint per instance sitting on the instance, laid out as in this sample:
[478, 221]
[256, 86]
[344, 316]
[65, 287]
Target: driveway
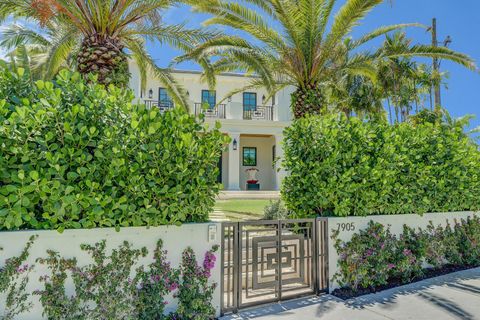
[453, 296]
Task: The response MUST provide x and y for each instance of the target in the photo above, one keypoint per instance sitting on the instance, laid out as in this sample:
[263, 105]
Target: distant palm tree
[33, 50]
[98, 36]
[298, 43]
[404, 82]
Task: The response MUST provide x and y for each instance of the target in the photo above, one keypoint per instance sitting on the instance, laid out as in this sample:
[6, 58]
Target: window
[249, 156]
[164, 99]
[249, 101]
[209, 97]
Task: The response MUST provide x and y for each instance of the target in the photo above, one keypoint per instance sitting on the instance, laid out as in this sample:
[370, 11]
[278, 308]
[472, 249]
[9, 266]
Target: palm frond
[348, 17]
[382, 31]
[15, 35]
[62, 47]
[145, 61]
[432, 52]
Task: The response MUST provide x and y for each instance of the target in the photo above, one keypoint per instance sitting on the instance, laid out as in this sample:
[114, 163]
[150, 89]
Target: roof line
[228, 74]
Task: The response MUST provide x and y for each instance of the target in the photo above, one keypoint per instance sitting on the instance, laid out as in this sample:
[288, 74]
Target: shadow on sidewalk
[325, 302]
[425, 290]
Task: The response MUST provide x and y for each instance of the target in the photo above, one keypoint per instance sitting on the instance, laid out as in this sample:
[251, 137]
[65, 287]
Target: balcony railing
[259, 113]
[162, 105]
[217, 112]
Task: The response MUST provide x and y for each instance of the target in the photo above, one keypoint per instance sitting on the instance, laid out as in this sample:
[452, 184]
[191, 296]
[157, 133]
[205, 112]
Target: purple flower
[369, 253]
[208, 264]
[22, 269]
[173, 286]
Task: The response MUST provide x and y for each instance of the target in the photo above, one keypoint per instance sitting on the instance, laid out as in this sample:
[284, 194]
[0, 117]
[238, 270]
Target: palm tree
[294, 45]
[98, 36]
[404, 82]
[356, 95]
[31, 49]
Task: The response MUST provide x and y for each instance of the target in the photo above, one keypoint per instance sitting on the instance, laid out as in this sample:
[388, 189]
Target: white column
[234, 163]
[280, 172]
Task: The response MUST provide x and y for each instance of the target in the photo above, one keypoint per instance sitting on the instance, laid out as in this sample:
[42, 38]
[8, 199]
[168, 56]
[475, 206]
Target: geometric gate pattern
[271, 260]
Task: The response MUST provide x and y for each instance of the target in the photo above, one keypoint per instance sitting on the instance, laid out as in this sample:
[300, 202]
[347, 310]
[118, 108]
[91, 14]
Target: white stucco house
[254, 124]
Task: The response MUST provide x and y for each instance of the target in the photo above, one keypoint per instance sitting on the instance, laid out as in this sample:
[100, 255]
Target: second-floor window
[164, 99]
[249, 101]
[209, 97]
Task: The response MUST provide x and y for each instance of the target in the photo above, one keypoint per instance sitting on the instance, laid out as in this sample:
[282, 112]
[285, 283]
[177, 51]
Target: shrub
[435, 243]
[155, 283]
[275, 211]
[76, 155]
[195, 293]
[466, 239]
[409, 255]
[366, 260]
[13, 281]
[103, 289]
[116, 286]
[55, 302]
[373, 257]
[344, 166]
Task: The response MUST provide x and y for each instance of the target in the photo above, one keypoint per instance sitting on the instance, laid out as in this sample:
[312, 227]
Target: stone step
[227, 195]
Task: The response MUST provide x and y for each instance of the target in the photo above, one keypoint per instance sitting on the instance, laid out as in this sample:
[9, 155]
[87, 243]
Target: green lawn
[242, 209]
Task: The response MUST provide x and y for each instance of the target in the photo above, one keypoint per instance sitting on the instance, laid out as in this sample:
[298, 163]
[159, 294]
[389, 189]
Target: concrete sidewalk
[453, 296]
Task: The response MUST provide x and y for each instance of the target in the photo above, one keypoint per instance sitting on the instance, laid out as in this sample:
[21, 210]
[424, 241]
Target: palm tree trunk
[390, 110]
[415, 91]
[431, 102]
[307, 99]
[103, 56]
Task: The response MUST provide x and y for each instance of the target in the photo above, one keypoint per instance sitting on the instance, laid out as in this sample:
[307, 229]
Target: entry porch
[252, 163]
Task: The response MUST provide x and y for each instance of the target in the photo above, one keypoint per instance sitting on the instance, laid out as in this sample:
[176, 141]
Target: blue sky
[456, 18]
[459, 19]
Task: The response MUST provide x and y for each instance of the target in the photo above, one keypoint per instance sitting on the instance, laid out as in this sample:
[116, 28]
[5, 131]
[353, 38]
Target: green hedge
[74, 155]
[341, 167]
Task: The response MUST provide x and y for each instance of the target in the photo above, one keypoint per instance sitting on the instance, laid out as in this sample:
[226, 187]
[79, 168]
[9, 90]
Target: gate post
[237, 278]
[279, 261]
[315, 255]
[229, 267]
[322, 242]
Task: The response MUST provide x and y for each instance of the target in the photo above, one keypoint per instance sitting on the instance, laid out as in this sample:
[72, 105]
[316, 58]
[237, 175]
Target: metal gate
[268, 261]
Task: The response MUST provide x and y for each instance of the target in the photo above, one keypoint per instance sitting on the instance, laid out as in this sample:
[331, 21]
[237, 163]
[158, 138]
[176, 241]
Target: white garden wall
[350, 225]
[175, 240]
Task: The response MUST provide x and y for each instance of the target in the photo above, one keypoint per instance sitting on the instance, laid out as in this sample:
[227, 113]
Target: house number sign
[346, 226]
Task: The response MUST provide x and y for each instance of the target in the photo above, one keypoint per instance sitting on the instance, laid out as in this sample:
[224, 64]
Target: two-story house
[254, 123]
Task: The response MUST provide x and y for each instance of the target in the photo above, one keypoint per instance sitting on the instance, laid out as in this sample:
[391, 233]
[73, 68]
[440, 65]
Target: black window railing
[258, 113]
[162, 105]
[216, 112]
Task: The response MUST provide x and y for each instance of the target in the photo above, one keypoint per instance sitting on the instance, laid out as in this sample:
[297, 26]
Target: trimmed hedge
[74, 155]
[343, 166]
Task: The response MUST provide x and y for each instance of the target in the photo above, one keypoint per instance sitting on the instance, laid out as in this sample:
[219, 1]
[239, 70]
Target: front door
[219, 164]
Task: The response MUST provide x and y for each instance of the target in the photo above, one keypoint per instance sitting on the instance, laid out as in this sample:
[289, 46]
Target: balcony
[235, 111]
[162, 105]
[216, 112]
[259, 113]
